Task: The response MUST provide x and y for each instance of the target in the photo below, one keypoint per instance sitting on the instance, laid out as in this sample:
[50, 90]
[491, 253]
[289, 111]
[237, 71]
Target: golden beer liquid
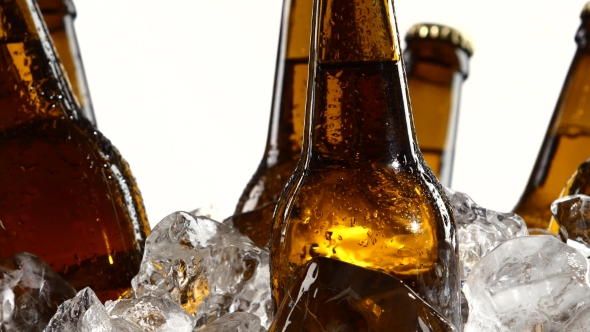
[362, 192]
[285, 136]
[436, 70]
[67, 196]
[567, 141]
[59, 18]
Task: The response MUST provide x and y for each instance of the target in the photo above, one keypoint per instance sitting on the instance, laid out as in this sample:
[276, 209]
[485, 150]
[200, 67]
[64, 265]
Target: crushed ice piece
[573, 214]
[30, 293]
[581, 247]
[480, 230]
[331, 295]
[152, 314]
[208, 268]
[85, 313]
[70, 314]
[530, 283]
[236, 321]
[210, 211]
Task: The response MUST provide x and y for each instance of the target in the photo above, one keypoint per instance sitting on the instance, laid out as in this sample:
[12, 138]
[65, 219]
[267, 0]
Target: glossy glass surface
[362, 192]
[67, 196]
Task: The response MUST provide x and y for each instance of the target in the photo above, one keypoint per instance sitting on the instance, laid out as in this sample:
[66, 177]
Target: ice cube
[30, 293]
[208, 268]
[70, 314]
[236, 321]
[530, 283]
[573, 213]
[480, 230]
[210, 211]
[152, 314]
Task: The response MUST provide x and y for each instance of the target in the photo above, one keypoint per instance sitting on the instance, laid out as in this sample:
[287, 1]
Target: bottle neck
[285, 136]
[358, 107]
[572, 113]
[566, 141]
[436, 71]
[31, 82]
[59, 17]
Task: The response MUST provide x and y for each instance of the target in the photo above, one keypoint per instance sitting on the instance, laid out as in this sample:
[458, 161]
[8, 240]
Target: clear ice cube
[208, 268]
[70, 314]
[480, 230]
[236, 321]
[573, 213]
[530, 283]
[30, 293]
[152, 314]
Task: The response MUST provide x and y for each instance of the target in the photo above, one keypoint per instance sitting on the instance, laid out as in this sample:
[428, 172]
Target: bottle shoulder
[374, 189]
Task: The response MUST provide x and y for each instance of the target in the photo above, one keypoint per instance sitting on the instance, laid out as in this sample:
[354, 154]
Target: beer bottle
[285, 134]
[59, 17]
[362, 192]
[437, 64]
[67, 196]
[567, 140]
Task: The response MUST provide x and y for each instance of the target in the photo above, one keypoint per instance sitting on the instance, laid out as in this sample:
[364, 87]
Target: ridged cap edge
[443, 33]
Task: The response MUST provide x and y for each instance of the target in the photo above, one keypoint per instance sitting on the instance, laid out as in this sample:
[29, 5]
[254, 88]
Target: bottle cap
[441, 32]
[586, 11]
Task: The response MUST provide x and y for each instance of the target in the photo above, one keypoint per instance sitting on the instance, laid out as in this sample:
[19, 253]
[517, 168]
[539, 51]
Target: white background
[183, 89]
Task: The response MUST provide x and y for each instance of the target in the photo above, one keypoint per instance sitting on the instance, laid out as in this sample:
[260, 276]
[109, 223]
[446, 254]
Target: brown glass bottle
[437, 64]
[67, 196]
[59, 18]
[362, 192]
[285, 134]
[567, 141]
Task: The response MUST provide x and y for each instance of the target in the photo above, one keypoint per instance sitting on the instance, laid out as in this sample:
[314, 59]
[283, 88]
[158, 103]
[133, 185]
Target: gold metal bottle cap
[441, 32]
[586, 11]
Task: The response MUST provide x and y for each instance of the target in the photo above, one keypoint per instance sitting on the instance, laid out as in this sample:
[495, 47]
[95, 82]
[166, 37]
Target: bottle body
[285, 136]
[362, 192]
[567, 142]
[67, 195]
[437, 64]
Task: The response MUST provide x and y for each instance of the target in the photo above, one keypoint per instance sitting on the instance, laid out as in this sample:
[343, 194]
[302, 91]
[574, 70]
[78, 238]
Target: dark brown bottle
[285, 134]
[59, 17]
[362, 192]
[67, 196]
[567, 141]
[437, 64]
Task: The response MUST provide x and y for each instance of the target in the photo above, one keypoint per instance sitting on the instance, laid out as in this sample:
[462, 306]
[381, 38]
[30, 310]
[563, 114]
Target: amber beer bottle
[59, 17]
[285, 134]
[362, 192]
[567, 141]
[437, 64]
[67, 196]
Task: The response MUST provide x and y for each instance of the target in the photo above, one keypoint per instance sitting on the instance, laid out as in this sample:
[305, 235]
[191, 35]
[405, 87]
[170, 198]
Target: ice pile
[196, 275]
[206, 267]
[199, 275]
[531, 283]
[480, 230]
[85, 313]
[30, 293]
